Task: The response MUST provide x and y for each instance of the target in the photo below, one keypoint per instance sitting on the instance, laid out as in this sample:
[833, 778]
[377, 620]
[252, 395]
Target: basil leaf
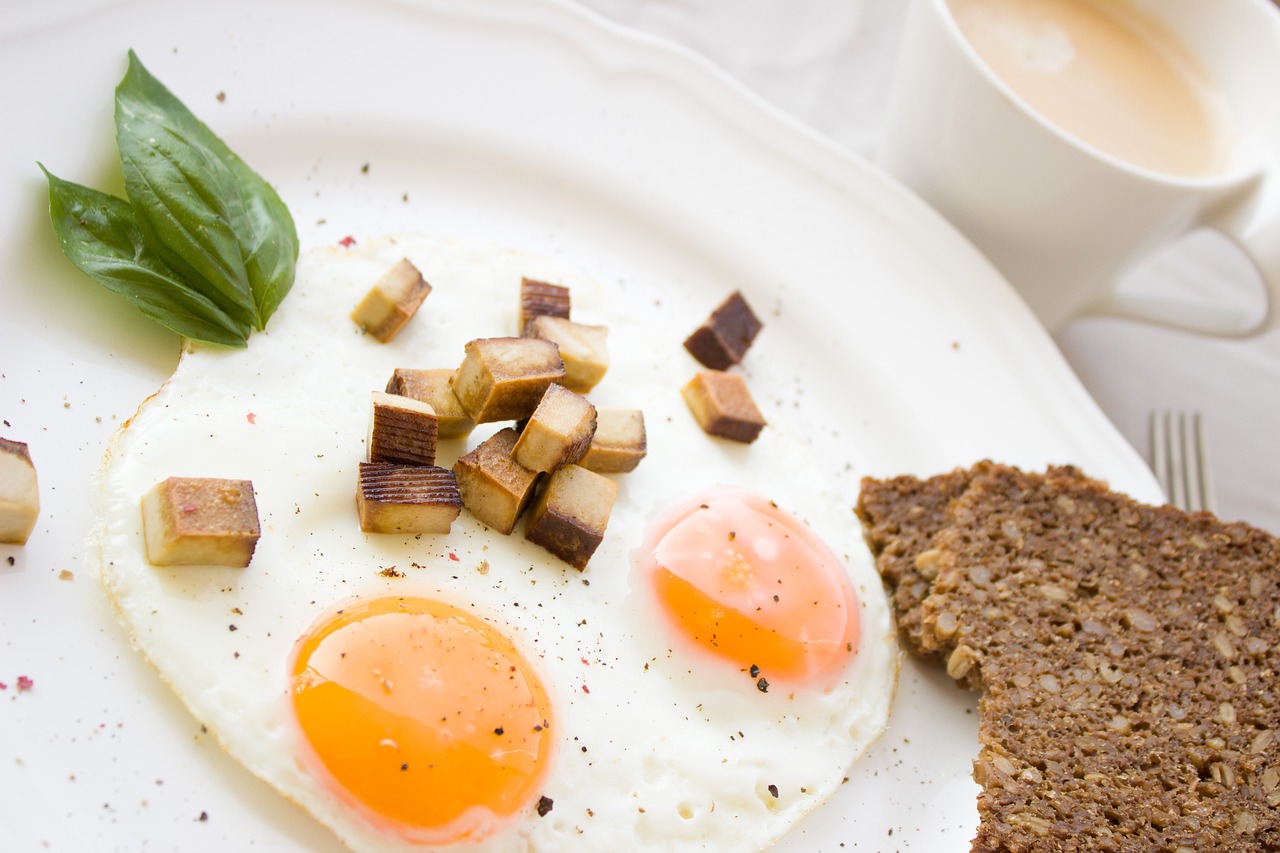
[98, 234]
[198, 206]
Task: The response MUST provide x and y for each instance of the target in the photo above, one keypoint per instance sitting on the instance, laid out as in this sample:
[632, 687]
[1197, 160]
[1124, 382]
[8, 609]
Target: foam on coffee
[1111, 76]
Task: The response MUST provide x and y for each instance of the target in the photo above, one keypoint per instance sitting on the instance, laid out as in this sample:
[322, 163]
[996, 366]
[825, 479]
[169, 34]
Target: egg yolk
[753, 586]
[423, 717]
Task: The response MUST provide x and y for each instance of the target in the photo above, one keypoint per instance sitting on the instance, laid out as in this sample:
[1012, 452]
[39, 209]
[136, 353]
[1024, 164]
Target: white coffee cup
[1063, 220]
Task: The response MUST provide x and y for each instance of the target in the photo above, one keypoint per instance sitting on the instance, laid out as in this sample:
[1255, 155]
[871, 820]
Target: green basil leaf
[199, 206]
[99, 235]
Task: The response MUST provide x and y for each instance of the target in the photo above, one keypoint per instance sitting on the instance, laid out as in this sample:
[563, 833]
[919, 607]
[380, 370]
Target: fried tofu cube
[433, 387]
[722, 405]
[406, 498]
[494, 487]
[19, 493]
[619, 443]
[723, 338]
[391, 301]
[583, 348]
[557, 433]
[570, 515]
[200, 521]
[502, 379]
[402, 431]
[542, 299]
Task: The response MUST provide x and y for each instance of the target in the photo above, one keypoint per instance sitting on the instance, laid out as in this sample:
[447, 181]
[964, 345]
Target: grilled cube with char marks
[391, 301]
[557, 433]
[502, 379]
[723, 338]
[494, 487]
[199, 521]
[406, 498]
[584, 349]
[722, 405]
[619, 443]
[434, 387]
[402, 430]
[542, 299]
[19, 492]
[570, 514]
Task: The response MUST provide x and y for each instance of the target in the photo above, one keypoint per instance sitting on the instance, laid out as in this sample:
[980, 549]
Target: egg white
[653, 746]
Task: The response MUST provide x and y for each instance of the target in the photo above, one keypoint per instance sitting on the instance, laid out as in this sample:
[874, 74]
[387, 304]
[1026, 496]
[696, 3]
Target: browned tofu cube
[570, 515]
[19, 493]
[541, 299]
[433, 387]
[619, 443]
[583, 349]
[722, 405]
[402, 431]
[723, 338]
[494, 487]
[391, 301]
[195, 521]
[557, 433]
[502, 379]
[406, 498]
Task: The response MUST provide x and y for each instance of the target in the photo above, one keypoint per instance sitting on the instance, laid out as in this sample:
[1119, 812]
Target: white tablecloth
[829, 64]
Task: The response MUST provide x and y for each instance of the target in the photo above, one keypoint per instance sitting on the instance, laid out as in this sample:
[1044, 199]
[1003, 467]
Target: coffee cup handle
[1258, 234]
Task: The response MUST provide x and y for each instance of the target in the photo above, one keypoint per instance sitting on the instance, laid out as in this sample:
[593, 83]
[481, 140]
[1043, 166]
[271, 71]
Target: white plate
[528, 123]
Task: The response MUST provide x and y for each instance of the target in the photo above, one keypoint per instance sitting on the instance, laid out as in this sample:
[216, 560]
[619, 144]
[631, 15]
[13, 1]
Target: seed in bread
[392, 301]
[406, 498]
[619, 442]
[557, 433]
[494, 487]
[402, 431]
[569, 516]
[724, 337]
[200, 521]
[19, 492]
[502, 379]
[722, 405]
[434, 387]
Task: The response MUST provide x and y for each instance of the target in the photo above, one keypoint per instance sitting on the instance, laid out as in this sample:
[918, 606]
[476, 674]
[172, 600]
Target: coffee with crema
[1107, 74]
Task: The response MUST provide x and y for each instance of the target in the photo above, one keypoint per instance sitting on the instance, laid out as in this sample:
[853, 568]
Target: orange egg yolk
[753, 586]
[423, 717]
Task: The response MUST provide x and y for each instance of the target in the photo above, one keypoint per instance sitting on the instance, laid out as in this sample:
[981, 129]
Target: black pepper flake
[11, 561]
[204, 816]
[762, 685]
[755, 671]
[773, 789]
[544, 806]
[733, 534]
[232, 628]
[364, 170]
[404, 766]
[498, 731]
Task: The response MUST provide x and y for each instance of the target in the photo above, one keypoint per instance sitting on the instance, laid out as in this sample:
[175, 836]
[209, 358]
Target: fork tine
[1180, 460]
[1160, 456]
[1199, 451]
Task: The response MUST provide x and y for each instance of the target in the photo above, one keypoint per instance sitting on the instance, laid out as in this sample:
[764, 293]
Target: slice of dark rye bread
[1127, 656]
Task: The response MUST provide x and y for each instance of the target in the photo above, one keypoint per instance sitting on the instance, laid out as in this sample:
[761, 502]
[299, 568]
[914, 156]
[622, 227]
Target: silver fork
[1180, 460]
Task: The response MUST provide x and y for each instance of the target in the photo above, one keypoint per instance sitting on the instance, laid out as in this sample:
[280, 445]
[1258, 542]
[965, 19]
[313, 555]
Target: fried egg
[703, 684]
